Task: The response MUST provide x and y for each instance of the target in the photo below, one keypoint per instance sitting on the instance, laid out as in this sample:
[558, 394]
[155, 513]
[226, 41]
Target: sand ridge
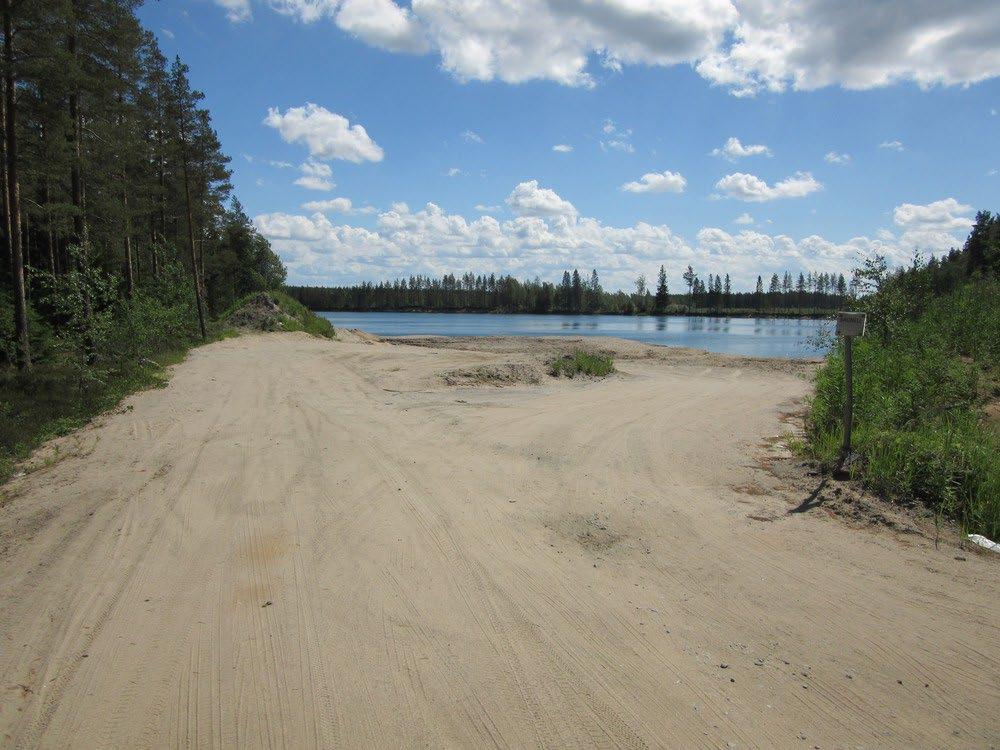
[305, 543]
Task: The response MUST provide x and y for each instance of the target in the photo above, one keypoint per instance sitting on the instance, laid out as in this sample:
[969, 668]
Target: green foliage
[582, 363]
[922, 374]
[304, 317]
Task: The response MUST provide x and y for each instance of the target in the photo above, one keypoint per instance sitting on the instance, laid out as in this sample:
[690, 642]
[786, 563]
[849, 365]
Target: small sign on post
[849, 325]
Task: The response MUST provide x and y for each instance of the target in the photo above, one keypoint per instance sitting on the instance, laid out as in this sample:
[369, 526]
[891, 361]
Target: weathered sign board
[851, 323]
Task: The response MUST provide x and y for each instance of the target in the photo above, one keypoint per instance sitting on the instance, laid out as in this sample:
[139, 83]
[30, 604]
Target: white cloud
[315, 176]
[527, 199]
[334, 205]
[281, 164]
[744, 218]
[892, 145]
[750, 188]
[167, 33]
[733, 150]
[483, 209]
[617, 144]
[814, 43]
[657, 182]
[453, 172]
[618, 138]
[545, 241]
[932, 227]
[383, 24]
[833, 157]
[326, 134]
[237, 11]
[471, 136]
[562, 148]
[744, 45]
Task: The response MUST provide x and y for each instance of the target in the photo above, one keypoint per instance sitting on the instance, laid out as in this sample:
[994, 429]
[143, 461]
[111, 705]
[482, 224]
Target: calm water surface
[762, 337]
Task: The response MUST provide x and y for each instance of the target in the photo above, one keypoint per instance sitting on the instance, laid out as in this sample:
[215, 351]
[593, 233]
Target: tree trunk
[76, 169]
[13, 195]
[190, 223]
[129, 272]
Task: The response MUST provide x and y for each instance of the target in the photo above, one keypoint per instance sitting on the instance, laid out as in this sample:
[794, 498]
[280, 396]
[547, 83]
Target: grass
[582, 363]
[919, 392]
[54, 400]
[303, 319]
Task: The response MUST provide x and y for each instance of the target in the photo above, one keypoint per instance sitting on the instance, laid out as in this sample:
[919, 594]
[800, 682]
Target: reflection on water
[766, 337]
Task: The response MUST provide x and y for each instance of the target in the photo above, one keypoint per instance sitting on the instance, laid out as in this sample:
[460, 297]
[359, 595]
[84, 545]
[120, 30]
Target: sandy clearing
[301, 543]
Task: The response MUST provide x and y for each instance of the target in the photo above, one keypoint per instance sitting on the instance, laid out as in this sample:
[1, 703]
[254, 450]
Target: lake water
[762, 337]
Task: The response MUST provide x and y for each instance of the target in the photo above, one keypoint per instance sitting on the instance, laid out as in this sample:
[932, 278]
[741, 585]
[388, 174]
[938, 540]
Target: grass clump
[277, 311]
[923, 375]
[582, 363]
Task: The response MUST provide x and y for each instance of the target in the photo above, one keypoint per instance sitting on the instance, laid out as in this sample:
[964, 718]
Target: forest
[809, 294]
[125, 243]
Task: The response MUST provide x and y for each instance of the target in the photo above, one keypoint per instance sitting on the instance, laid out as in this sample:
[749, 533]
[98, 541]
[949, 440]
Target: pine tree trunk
[13, 195]
[129, 272]
[76, 169]
[190, 223]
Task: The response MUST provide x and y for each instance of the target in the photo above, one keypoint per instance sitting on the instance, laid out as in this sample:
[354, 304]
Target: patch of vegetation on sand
[505, 373]
[276, 311]
[582, 363]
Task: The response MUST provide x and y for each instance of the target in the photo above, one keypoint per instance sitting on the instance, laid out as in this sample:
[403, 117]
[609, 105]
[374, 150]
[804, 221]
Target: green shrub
[921, 377]
[582, 363]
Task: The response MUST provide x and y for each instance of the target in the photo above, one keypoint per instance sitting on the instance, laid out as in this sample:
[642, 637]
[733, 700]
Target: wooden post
[849, 325]
[848, 396]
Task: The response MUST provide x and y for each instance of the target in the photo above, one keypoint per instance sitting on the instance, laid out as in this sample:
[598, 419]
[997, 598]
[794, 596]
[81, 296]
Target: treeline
[811, 293]
[926, 374]
[115, 183]
[123, 242]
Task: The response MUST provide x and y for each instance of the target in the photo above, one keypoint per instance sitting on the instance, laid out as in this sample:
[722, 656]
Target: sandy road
[300, 543]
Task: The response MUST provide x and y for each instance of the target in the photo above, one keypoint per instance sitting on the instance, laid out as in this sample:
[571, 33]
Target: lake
[761, 337]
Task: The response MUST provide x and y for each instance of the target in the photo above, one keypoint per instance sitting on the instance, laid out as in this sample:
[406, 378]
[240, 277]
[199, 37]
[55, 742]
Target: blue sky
[853, 133]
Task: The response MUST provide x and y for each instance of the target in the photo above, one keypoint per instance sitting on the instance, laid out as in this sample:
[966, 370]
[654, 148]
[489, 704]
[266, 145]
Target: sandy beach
[418, 543]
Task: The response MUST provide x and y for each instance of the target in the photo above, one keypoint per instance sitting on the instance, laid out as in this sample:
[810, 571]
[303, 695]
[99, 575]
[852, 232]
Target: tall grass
[920, 383]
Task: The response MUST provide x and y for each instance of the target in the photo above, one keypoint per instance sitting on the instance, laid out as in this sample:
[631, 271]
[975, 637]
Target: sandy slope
[302, 543]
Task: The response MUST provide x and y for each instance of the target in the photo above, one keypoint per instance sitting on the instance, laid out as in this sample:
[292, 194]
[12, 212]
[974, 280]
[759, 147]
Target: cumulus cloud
[552, 237]
[750, 188]
[744, 219]
[383, 24]
[657, 182]
[832, 157]
[528, 199]
[453, 172]
[892, 145]
[316, 176]
[618, 138]
[281, 164]
[744, 45]
[733, 150]
[562, 148]
[471, 136]
[484, 209]
[326, 134]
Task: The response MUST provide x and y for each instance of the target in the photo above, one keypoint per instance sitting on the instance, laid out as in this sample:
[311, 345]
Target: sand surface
[302, 543]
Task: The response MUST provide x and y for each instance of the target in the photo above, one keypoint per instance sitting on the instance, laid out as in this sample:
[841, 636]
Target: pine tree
[662, 292]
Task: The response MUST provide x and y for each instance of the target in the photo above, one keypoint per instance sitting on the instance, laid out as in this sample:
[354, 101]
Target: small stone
[266, 604]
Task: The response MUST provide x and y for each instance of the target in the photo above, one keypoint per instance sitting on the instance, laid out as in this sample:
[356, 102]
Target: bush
[583, 363]
[921, 378]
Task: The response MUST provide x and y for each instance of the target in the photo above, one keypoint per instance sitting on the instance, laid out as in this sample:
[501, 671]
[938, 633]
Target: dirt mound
[504, 373]
[260, 313]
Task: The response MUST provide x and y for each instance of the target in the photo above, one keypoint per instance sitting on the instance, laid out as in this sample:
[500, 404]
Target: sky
[373, 139]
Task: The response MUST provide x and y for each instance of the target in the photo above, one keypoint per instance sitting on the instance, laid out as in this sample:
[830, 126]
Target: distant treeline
[806, 294]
